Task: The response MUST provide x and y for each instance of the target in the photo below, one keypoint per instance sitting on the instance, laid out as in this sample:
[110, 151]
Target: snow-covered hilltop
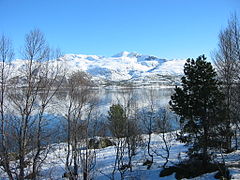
[123, 67]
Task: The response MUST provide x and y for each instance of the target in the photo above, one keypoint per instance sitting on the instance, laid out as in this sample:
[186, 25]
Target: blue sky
[172, 29]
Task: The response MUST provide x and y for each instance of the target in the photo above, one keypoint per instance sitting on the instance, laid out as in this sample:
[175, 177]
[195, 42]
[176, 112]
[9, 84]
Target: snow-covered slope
[122, 66]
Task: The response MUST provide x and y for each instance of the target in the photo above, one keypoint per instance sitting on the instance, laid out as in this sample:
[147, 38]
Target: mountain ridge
[123, 66]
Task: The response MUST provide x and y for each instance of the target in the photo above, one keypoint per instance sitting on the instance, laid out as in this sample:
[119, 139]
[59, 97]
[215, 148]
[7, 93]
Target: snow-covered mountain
[124, 66]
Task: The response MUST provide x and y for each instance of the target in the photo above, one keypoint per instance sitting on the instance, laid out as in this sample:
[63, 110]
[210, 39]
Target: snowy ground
[106, 156]
[54, 166]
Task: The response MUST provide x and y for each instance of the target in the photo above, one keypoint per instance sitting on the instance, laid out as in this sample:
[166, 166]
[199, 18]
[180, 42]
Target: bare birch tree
[227, 61]
[28, 108]
[6, 56]
[148, 116]
[50, 77]
[164, 129]
[132, 125]
[79, 107]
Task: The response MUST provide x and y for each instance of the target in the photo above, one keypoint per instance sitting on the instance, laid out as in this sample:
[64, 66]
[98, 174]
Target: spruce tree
[198, 103]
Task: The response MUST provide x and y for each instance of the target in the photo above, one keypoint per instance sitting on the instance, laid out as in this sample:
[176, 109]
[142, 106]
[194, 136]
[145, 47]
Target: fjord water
[102, 98]
[143, 97]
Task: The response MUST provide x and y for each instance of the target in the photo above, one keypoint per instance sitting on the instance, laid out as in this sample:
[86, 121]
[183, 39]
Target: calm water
[105, 97]
[139, 98]
[143, 97]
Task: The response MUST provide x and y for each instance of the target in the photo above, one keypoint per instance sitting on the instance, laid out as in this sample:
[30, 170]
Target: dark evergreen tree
[198, 103]
[117, 121]
[117, 124]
